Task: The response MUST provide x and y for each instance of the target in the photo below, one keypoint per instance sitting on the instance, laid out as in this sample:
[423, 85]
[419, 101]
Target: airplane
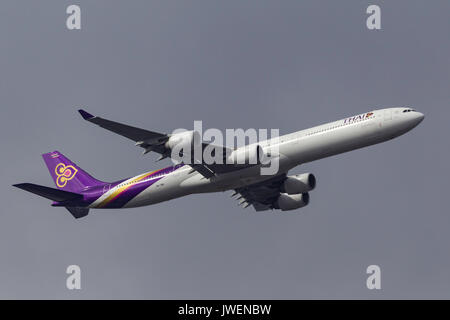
[78, 191]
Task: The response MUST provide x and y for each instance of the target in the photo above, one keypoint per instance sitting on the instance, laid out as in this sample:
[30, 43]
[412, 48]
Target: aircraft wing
[155, 141]
[149, 140]
[261, 195]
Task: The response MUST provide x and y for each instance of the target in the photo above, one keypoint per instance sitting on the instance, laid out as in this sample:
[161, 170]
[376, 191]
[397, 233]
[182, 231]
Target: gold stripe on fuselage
[123, 188]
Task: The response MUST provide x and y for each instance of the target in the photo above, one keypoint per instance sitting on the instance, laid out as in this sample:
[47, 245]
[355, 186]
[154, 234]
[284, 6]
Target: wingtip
[20, 185]
[86, 115]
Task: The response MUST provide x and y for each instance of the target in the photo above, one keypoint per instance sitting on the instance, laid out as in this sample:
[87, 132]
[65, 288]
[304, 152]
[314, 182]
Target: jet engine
[185, 138]
[183, 142]
[246, 155]
[287, 202]
[299, 183]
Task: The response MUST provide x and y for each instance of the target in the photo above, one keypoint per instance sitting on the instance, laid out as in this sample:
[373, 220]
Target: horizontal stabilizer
[49, 193]
[78, 212]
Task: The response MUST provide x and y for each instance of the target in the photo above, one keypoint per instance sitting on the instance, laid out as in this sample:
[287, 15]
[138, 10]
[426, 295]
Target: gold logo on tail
[64, 173]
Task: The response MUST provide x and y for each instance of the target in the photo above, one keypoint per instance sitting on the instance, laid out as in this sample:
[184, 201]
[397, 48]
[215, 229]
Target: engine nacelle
[251, 154]
[299, 183]
[287, 202]
[185, 141]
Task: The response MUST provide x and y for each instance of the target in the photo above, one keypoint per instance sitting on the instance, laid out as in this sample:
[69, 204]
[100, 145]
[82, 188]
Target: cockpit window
[408, 110]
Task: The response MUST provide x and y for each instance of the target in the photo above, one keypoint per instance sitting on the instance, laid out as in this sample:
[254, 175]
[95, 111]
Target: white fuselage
[293, 149]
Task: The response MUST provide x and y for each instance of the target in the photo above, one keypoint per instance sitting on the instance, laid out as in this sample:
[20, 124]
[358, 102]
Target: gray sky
[233, 64]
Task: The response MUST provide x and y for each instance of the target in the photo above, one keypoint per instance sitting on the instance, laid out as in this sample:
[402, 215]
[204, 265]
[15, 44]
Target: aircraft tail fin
[67, 175]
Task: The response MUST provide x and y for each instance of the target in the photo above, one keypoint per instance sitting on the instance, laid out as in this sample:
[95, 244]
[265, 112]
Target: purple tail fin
[67, 175]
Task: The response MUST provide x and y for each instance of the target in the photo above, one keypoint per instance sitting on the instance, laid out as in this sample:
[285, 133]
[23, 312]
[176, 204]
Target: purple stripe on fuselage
[124, 197]
[130, 193]
[92, 194]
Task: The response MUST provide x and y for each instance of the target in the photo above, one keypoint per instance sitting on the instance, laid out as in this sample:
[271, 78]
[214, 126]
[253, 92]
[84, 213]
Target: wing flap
[203, 170]
[261, 195]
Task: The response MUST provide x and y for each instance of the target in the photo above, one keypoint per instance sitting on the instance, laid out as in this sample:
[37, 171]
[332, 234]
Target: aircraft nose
[419, 117]
[415, 118]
